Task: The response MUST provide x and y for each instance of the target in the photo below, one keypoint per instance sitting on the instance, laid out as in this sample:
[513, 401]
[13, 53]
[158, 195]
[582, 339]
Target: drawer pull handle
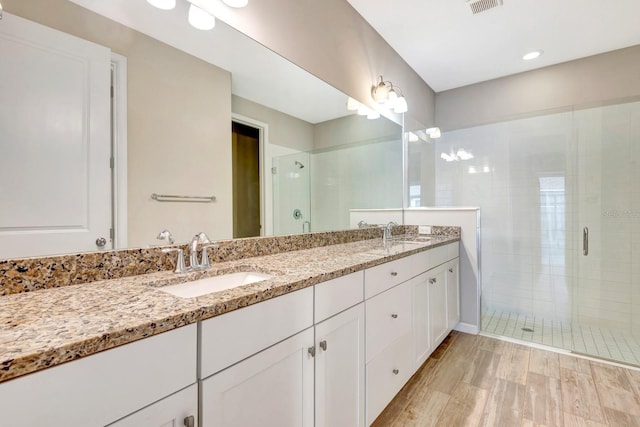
[312, 351]
[433, 280]
[394, 273]
[190, 421]
[396, 372]
[451, 270]
[395, 316]
[323, 345]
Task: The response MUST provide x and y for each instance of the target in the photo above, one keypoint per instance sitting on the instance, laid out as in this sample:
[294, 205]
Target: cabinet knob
[395, 316]
[190, 421]
[433, 280]
[396, 371]
[312, 351]
[451, 270]
[323, 345]
[394, 273]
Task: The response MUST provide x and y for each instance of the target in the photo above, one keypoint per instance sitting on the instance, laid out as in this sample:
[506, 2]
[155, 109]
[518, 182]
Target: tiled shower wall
[539, 181]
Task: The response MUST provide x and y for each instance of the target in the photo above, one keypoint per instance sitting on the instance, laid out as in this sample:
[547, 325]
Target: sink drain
[527, 329]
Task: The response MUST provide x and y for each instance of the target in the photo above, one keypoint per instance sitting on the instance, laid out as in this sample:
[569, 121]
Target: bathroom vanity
[327, 341]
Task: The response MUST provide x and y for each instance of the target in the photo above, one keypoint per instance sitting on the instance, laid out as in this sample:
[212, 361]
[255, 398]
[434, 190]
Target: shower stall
[314, 191]
[560, 201]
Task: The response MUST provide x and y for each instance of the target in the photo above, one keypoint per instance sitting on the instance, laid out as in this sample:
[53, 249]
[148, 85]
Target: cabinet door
[179, 409]
[340, 370]
[422, 341]
[271, 388]
[453, 294]
[437, 305]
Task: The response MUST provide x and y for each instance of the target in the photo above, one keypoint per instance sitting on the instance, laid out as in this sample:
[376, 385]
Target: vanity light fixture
[385, 92]
[532, 55]
[201, 19]
[236, 3]
[163, 4]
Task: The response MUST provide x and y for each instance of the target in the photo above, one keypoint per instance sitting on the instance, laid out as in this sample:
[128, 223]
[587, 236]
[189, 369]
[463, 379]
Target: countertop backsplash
[31, 274]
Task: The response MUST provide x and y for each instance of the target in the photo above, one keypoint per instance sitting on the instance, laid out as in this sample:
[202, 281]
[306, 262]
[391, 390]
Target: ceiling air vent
[478, 6]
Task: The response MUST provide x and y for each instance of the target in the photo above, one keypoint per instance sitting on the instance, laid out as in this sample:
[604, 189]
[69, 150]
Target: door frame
[119, 151]
[266, 218]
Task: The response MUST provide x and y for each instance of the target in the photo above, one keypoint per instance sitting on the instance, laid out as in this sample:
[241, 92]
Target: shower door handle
[585, 241]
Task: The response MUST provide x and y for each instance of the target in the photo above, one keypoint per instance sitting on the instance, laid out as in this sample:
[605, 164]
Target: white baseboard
[467, 328]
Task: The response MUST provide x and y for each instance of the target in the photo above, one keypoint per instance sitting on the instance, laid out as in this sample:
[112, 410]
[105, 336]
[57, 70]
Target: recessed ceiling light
[532, 55]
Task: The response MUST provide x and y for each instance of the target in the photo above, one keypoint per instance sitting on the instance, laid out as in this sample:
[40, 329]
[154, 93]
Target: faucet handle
[204, 263]
[180, 266]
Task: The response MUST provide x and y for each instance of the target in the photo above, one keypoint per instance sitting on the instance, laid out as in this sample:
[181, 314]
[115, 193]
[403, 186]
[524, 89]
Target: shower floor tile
[593, 341]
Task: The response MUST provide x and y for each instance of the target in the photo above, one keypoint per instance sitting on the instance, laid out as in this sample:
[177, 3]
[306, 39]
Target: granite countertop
[48, 327]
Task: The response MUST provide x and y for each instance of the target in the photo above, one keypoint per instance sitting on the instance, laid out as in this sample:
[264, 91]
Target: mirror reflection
[194, 114]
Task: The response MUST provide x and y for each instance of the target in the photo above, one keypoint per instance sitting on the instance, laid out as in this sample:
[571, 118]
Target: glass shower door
[291, 198]
[606, 321]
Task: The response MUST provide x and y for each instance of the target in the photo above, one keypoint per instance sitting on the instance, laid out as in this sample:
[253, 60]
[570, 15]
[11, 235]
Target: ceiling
[449, 47]
[257, 73]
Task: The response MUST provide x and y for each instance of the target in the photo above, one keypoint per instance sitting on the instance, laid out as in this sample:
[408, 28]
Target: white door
[55, 178]
[272, 388]
[340, 370]
[179, 409]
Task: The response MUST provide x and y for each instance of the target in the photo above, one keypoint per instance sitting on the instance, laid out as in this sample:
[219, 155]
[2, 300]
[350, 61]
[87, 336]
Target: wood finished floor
[480, 381]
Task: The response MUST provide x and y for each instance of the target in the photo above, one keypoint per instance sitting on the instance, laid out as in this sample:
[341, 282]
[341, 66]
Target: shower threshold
[602, 343]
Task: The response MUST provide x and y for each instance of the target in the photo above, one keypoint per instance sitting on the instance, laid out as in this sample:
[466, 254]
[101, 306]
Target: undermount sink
[215, 284]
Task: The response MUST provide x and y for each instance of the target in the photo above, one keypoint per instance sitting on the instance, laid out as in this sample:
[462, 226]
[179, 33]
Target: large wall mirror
[259, 145]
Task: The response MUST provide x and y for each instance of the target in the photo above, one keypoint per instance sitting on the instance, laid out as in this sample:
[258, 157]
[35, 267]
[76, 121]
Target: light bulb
[401, 105]
[236, 3]
[163, 4]
[434, 132]
[201, 19]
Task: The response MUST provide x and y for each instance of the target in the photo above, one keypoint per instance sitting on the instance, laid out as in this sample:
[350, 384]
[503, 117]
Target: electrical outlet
[424, 229]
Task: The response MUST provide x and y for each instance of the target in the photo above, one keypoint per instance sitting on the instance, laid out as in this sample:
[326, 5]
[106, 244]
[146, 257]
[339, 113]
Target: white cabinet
[104, 387]
[387, 373]
[179, 409]
[453, 293]
[388, 318]
[389, 346]
[233, 336]
[437, 285]
[272, 388]
[339, 378]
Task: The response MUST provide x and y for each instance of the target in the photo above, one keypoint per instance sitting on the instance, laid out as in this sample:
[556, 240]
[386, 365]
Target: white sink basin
[214, 284]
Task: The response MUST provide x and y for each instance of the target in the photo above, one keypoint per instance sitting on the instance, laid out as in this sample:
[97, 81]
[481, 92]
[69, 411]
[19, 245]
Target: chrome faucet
[200, 238]
[165, 235]
[386, 233]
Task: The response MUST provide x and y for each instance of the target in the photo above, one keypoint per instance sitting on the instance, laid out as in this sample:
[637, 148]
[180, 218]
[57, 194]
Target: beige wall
[179, 124]
[331, 40]
[354, 129]
[582, 83]
[284, 130]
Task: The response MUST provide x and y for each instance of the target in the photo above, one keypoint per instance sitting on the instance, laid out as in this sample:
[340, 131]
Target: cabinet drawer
[231, 337]
[385, 276]
[442, 254]
[387, 374]
[337, 295]
[454, 250]
[388, 317]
